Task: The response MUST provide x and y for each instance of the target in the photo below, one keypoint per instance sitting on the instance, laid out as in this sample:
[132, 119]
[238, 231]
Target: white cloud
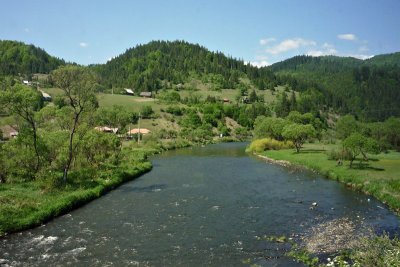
[267, 41]
[289, 44]
[261, 63]
[83, 44]
[347, 36]
[360, 56]
[327, 50]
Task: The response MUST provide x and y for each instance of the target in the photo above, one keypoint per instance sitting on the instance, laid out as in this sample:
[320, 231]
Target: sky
[261, 32]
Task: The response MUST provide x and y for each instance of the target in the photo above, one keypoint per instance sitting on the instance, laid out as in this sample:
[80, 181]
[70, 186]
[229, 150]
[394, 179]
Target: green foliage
[116, 117]
[79, 85]
[147, 67]
[17, 57]
[377, 251]
[261, 145]
[169, 97]
[357, 144]
[175, 110]
[99, 149]
[269, 127]
[367, 89]
[303, 256]
[346, 125]
[191, 119]
[298, 134]
[146, 111]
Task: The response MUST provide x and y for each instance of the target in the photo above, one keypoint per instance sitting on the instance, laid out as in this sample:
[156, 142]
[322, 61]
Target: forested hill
[19, 58]
[369, 89]
[149, 67]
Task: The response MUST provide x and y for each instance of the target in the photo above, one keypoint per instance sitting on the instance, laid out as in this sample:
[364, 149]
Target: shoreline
[331, 174]
[73, 200]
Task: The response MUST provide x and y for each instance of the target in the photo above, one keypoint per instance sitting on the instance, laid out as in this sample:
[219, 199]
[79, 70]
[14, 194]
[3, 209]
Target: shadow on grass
[366, 166]
[310, 151]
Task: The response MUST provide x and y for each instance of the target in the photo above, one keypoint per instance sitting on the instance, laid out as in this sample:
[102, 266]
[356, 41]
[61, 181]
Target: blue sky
[258, 31]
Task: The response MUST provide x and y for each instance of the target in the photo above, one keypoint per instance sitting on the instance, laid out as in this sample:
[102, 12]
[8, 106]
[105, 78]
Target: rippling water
[204, 206]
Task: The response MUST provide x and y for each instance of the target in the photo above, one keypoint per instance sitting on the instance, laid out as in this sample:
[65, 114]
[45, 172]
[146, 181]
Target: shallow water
[204, 206]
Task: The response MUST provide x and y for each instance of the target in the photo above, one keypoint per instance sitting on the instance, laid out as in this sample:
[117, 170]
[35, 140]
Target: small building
[8, 132]
[137, 130]
[146, 94]
[106, 129]
[26, 82]
[129, 91]
[45, 96]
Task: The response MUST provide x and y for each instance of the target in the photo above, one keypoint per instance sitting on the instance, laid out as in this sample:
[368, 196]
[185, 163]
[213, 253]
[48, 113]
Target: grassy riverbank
[378, 177]
[29, 204]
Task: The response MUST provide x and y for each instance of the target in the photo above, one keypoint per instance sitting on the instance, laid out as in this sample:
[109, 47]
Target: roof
[45, 95]
[145, 94]
[8, 131]
[129, 91]
[136, 131]
[106, 129]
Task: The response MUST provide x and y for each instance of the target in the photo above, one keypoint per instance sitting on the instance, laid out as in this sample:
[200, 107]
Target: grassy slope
[24, 205]
[379, 178]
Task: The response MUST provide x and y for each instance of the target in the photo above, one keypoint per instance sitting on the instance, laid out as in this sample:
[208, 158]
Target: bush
[335, 154]
[261, 145]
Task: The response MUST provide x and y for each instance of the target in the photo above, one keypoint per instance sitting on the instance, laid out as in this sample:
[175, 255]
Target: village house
[106, 129]
[129, 91]
[45, 96]
[137, 130]
[146, 94]
[8, 132]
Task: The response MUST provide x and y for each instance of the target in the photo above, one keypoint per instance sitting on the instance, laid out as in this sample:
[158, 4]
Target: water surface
[204, 206]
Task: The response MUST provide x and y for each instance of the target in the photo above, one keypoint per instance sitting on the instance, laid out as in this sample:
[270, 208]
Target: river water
[203, 206]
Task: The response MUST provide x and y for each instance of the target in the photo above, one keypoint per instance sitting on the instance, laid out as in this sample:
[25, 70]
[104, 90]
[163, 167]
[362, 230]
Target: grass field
[24, 205]
[380, 177]
[133, 103]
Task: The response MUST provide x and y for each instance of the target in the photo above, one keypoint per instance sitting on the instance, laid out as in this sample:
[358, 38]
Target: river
[202, 206]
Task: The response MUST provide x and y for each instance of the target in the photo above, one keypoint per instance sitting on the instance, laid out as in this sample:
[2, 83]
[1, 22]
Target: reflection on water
[204, 206]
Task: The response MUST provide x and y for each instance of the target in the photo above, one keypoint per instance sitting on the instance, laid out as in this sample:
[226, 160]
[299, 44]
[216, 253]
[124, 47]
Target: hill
[385, 59]
[159, 64]
[19, 58]
[368, 89]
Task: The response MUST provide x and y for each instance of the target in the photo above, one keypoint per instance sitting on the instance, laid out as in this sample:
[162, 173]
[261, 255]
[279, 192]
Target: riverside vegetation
[339, 116]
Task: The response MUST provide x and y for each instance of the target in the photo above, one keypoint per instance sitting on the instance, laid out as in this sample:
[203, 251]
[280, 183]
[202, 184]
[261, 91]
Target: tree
[116, 117]
[269, 127]
[24, 102]
[282, 107]
[346, 125]
[78, 84]
[253, 96]
[357, 144]
[298, 134]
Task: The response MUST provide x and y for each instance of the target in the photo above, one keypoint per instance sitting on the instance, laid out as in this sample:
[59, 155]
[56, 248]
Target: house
[8, 132]
[45, 96]
[106, 129]
[136, 131]
[26, 82]
[129, 91]
[146, 94]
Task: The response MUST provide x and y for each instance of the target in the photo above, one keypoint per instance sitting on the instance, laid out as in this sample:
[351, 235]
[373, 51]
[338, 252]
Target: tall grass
[261, 145]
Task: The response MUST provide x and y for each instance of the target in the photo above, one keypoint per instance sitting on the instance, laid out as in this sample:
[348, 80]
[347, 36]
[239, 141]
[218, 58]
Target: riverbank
[379, 177]
[26, 205]
[29, 204]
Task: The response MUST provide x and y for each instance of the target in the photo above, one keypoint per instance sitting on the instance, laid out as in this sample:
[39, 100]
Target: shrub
[335, 154]
[261, 145]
